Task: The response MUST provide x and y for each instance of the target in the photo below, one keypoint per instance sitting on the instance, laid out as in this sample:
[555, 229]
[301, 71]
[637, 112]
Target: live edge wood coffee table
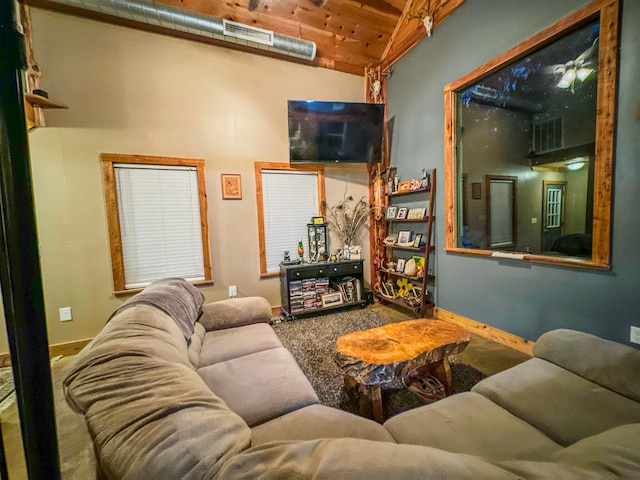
[379, 355]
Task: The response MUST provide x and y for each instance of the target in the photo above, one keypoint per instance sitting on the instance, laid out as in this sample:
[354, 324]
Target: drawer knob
[320, 271]
[297, 274]
[335, 269]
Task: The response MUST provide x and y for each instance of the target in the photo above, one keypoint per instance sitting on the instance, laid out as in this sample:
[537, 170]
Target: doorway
[553, 201]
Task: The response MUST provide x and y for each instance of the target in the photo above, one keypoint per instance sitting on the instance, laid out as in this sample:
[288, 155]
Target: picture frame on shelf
[404, 186]
[331, 299]
[417, 240]
[404, 237]
[402, 213]
[400, 265]
[416, 213]
[391, 212]
[317, 220]
[390, 240]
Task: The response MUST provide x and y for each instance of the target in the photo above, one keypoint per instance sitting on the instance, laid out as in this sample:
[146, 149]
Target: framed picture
[476, 190]
[317, 220]
[404, 236]
[416, 213]
[231, 186]
[404, 186]
[402, 213]
[417, 240]
[391, 212]
[331, 299]
[400, 266]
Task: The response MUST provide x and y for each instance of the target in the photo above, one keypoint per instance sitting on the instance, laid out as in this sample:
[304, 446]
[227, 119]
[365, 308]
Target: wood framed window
[157, 219]
[287, 197]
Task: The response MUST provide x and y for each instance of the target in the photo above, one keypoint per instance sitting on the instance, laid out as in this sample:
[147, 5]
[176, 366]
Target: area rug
[7, 393]
[311, 342]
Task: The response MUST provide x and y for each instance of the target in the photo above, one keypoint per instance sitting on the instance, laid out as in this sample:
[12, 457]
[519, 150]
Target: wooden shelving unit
[425, 251]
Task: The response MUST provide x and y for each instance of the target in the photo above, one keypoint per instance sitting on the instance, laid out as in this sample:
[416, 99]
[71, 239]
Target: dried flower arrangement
[345, 221]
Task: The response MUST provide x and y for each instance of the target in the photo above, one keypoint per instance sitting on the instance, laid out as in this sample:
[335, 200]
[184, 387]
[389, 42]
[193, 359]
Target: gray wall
[519, 297]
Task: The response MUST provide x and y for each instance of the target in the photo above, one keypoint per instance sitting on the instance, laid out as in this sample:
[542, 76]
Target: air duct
[497, 98]
[179, 19]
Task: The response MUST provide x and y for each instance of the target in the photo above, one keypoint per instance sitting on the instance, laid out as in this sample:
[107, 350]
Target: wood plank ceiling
[350, 35]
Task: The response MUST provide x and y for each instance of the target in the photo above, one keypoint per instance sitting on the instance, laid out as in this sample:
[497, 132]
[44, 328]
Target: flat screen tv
[335, 131]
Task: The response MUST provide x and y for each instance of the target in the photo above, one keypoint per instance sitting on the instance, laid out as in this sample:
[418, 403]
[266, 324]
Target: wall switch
[534, 220]
[233, 291]
[65, 314]
[635, 335]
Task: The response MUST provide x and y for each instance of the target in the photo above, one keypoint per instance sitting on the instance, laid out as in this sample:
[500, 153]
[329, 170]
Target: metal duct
[491, 96]
[174, 18]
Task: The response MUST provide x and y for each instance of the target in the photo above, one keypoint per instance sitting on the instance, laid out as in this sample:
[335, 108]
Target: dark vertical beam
[20, 265]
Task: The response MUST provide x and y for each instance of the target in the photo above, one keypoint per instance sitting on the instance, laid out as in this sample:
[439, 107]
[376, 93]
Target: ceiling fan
[580, 68]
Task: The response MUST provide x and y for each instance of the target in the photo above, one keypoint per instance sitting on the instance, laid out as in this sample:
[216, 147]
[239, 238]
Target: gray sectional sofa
[174, 389]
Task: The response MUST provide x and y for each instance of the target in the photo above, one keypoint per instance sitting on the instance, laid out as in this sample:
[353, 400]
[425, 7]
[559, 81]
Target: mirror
[529, 146]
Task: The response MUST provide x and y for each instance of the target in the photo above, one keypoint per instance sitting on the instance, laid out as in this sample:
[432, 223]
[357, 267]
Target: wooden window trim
[113, 217]
[258, 168]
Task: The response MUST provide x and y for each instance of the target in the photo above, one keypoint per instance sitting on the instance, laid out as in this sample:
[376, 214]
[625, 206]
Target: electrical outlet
[65, 314]
[635, 335]
[233, 291]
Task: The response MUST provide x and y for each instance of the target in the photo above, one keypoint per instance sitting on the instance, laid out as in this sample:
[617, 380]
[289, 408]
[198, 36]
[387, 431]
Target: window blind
[160, 230]
[289, 201]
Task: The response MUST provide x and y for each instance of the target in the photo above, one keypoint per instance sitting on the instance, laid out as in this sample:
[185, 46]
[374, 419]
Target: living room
[133, 92]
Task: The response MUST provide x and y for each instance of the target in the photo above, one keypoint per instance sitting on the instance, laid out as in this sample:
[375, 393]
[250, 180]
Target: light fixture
[577, 163]
[568, 79]
[583, 73]
[575, 166]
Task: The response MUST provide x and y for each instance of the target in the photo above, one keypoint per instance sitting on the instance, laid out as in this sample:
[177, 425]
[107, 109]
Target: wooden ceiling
[350, 35]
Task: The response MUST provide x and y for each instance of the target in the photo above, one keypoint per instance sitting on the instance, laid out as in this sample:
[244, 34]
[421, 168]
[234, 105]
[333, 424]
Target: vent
[167, 16]
[547, 135]
[245, 32]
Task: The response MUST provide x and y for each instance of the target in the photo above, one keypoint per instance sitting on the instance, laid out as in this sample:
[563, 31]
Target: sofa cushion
[470, 423]
[357, 459]
[148, 417]
[221, 345]
[235, 312]
[561, 404]
[615, 451]
[140, 330]
[609, 364]
[195, 344]
[260, 386]
[318, 421]
[174, 296]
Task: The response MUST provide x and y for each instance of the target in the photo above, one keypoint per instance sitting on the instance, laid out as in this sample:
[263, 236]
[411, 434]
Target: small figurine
[287, 257]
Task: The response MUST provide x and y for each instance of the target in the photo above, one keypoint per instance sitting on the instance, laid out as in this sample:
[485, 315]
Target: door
[553, 198]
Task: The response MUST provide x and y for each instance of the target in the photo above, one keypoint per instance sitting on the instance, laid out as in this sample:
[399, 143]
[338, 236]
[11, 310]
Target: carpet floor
[311, 342]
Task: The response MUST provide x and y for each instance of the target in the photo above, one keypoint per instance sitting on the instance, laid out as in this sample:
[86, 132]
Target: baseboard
[486, 331]
[64, 349]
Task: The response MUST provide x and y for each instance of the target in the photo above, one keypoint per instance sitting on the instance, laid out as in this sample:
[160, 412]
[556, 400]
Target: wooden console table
[379, 355]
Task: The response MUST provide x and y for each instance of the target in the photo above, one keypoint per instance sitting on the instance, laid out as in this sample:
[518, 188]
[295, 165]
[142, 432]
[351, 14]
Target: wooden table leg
[442, 371]
[376, 399]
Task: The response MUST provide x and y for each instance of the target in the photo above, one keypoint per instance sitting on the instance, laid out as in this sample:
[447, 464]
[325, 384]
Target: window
[489, 114]
[157, 218]
[287, 199]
